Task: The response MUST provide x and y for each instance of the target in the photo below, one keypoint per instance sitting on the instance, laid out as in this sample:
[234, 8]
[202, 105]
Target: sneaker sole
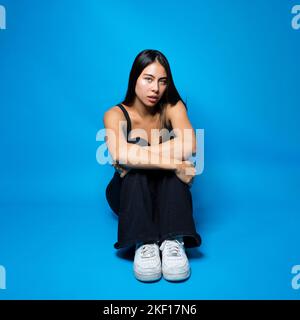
[147, 277]
[178, 276]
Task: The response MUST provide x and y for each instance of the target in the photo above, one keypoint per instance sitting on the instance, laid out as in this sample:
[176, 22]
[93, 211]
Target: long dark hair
[141, 61]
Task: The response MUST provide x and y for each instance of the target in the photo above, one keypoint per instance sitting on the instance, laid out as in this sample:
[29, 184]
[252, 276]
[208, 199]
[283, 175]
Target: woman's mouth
[153, 99]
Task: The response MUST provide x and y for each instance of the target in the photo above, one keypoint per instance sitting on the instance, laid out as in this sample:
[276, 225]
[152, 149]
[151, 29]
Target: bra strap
[127, 118]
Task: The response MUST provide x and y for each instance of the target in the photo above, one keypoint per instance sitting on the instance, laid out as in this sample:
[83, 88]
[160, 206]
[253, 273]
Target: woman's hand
[121, 170]
[186, 172]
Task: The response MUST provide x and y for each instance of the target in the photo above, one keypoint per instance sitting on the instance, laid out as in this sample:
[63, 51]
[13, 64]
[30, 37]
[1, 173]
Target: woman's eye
[162, 81]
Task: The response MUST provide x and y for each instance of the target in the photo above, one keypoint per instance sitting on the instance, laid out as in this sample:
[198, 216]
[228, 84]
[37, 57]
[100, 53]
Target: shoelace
[173, 248]
[147, 251]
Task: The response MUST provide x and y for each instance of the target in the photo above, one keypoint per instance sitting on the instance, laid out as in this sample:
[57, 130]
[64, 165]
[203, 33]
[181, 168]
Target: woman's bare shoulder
[173, 108]
[179, 104]
[113, 114]
[113, 111]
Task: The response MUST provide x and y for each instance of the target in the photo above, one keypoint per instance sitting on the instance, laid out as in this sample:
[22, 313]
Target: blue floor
[250, 243]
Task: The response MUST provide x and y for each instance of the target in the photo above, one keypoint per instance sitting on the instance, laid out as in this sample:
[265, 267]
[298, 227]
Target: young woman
[150, 189]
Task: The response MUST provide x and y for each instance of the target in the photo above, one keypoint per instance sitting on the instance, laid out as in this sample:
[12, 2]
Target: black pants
[152, 205]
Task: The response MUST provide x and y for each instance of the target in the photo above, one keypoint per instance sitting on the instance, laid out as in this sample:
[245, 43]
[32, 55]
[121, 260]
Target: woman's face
[151, 84]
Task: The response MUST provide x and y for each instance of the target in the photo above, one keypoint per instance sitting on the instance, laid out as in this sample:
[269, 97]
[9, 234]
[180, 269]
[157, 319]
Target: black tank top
[141, 141]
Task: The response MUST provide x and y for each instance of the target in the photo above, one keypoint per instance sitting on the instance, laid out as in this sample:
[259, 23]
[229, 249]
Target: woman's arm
[132, 155]
[183, 146]
[176, 148]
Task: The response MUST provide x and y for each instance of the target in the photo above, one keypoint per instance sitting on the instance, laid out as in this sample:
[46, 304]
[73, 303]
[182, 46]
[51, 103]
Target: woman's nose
[155, 87]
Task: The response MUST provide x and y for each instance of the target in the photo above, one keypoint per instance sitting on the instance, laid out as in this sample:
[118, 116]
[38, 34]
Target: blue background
[64, 63]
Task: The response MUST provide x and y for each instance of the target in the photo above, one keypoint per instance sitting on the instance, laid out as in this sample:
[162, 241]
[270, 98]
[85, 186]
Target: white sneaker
[175, 264]
[147, 264]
